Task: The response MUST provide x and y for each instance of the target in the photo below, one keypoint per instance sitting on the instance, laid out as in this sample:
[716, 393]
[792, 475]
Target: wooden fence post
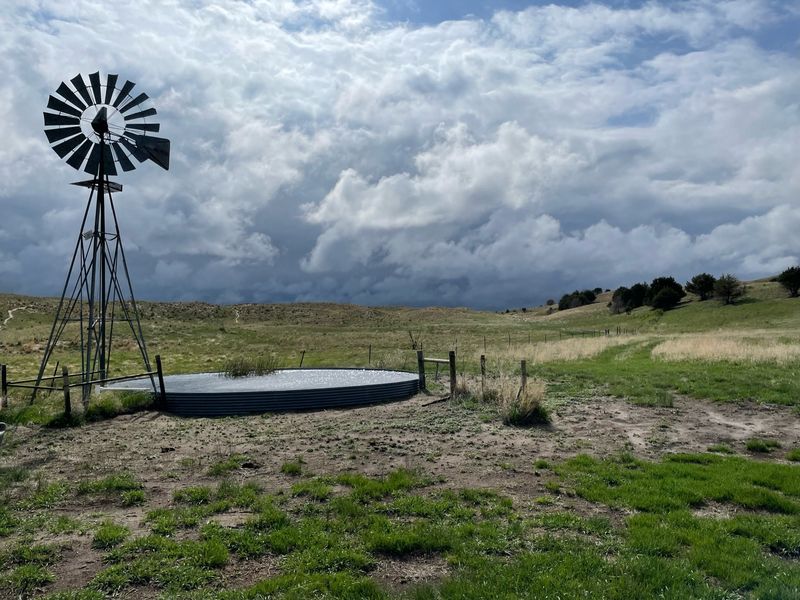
[65, 383]
[421, 367]
[452, 358]
[509, 339]
[483, 376]
[523, 370]
[4, 392]
[161, 380]
[484, 343]
[369, 357]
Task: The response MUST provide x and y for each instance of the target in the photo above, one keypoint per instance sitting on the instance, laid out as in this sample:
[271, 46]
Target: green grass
[294, 467]
[640, 538]
[314, 489]
[761, 445]
[684, 481]
[629, 371]
[793, 455]
[227, 465]
[109, 534]
[721, 449]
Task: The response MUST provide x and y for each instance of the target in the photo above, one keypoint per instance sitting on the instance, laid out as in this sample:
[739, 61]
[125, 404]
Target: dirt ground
[458, 446]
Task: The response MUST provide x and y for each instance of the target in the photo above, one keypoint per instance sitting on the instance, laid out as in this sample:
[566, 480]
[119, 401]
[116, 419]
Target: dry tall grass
[561, 350]
[515, 405]
[734, 348]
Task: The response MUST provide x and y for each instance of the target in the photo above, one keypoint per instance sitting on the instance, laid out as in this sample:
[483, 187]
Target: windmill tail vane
[100, 128]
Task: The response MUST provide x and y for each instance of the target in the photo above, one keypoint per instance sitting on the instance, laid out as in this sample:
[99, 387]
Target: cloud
[321, 152]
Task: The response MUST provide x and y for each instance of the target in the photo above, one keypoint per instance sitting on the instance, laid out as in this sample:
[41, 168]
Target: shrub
[790, 280]
[576, 299]
[550, 302]
[524, 408]
[702, 285]
[668, 300]
[728, 289]
[793, 455]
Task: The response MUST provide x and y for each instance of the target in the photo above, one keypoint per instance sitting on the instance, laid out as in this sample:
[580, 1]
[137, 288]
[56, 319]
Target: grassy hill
[655, 479]
[583, 351]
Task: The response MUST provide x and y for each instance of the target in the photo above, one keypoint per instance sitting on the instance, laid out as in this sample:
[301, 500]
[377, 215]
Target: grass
[721, 449]
[631, 372]
[644, 537]
[108, 535]
[227, 465]
[248, 367]
[793, 455]
[761, 445]
[293, 467]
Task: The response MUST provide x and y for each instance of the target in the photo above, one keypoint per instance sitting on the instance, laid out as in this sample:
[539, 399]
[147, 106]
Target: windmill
[98, 128]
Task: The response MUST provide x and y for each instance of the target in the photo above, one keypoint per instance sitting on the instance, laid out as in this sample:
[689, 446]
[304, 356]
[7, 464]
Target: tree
[702, 285]
[664, 283]
[790, 280]
[597, 290]
[666, 298]
[550, 302]
[620, 301]
[728, 289]
[576, 299]
[639, 292]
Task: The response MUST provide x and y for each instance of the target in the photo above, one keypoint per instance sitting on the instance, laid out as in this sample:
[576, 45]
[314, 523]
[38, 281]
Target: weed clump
[793, 455]
[247, 367]
[759, 445]
[525, 407]
[293, 467]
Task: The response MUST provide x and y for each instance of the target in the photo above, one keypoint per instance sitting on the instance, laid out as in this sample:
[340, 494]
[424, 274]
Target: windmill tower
[98, 128]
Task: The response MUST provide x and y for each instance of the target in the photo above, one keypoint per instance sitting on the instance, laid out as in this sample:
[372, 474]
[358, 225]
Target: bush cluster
[576, 299]
[662, 292]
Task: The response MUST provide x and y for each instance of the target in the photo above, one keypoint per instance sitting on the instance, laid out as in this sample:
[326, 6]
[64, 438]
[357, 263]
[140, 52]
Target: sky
[400, 152]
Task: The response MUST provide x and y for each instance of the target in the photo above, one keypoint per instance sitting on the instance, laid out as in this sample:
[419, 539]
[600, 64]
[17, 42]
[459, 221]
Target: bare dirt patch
[458, 446]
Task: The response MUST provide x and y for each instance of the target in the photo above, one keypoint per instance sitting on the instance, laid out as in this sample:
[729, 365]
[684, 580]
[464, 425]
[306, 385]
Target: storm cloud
[329, 150]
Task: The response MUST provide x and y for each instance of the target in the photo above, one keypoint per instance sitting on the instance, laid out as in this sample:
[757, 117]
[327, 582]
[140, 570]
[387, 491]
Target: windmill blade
[111, 85]
[156, 148]
[68, 95]
[122, 158]
[123, 93]
[61, 106]
[76, 160]
[109, 168]
[53, 135]
[135, 152]
[80, 86]
[94, 79]
[141, 114]
[52, 119]
[67, 146]
[94, 160]
[135, 102]
[144, 126]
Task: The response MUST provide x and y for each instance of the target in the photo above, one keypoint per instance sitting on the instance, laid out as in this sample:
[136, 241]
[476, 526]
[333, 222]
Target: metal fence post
[160, 371]
[65, 383]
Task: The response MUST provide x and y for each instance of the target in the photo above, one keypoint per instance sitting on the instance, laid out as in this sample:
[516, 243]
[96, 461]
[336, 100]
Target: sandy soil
[462, 447]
